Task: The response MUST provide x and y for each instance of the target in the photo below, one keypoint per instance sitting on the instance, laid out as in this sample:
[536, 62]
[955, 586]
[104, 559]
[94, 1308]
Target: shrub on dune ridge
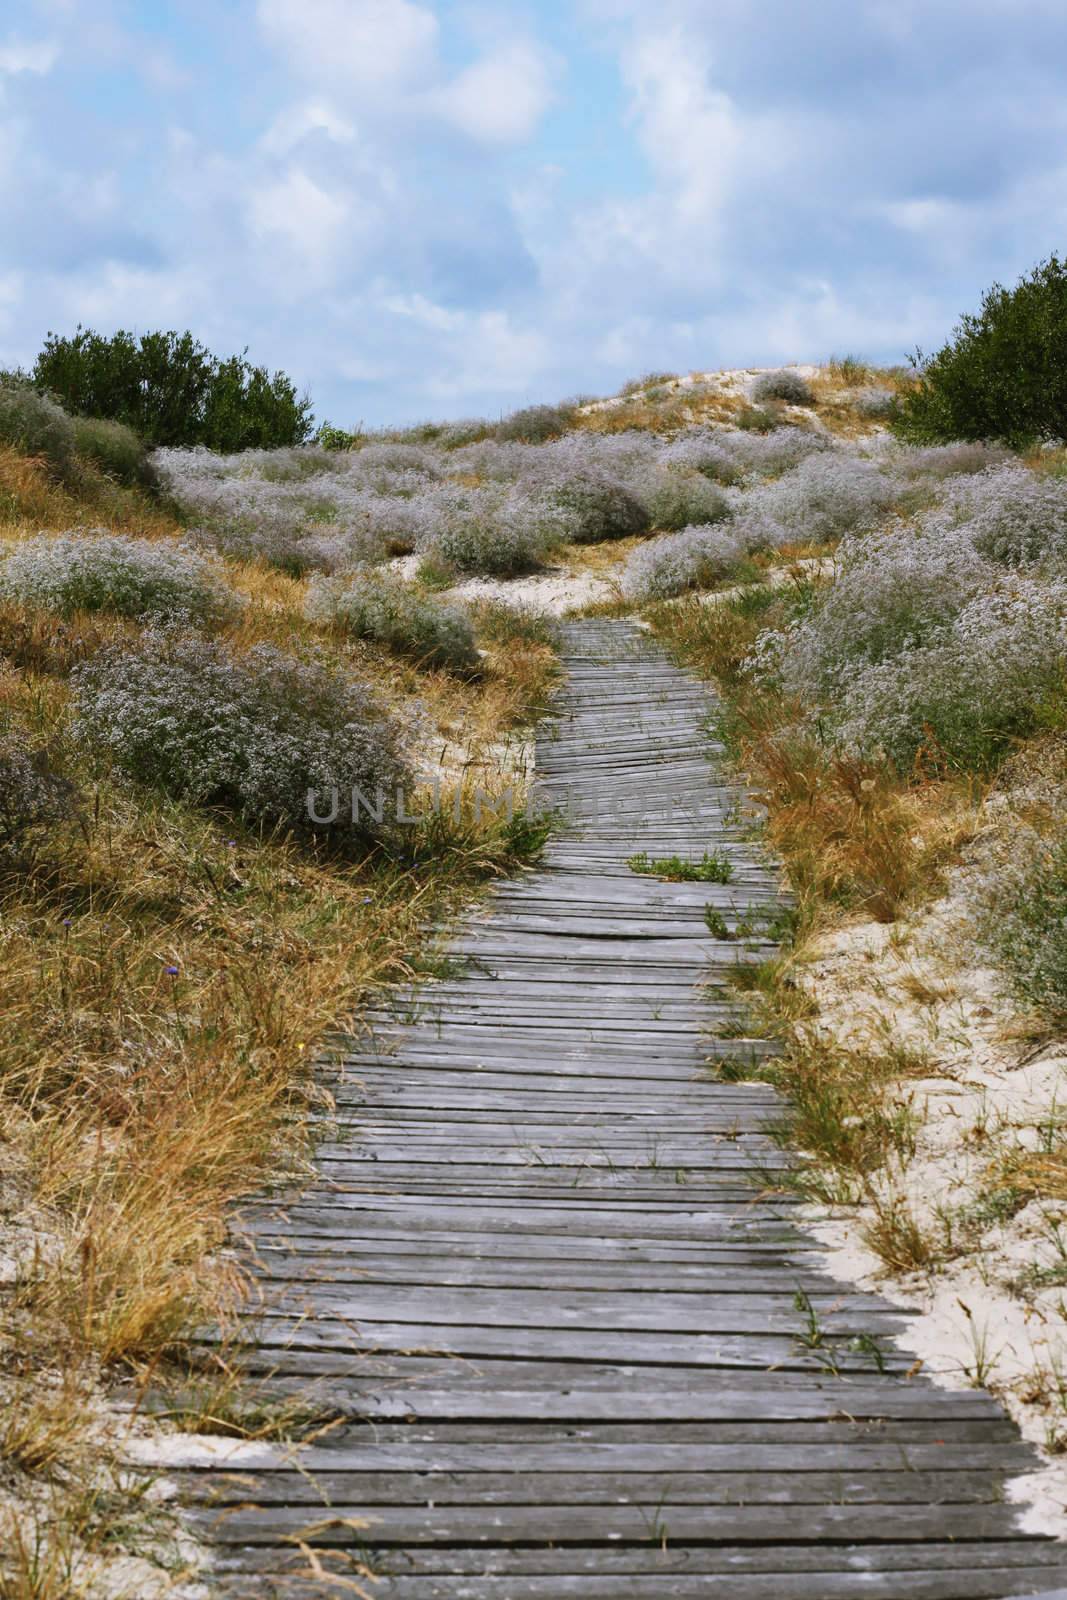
[99, 571]
[785, 385]
[253, 733]
[381, 606]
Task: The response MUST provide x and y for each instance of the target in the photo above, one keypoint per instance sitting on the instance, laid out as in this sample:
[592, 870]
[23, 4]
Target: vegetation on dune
[1003, 374]
[170, 390]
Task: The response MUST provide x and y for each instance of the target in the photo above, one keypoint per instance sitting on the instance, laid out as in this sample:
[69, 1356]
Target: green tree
[171, 390]
[1003, 375]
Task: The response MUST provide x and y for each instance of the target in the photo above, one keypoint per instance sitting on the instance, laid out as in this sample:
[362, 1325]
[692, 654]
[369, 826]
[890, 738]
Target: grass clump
[35, 425]
[1021, 905]
[711, 868]
[382, 607]
[150, 580]
[253, 732]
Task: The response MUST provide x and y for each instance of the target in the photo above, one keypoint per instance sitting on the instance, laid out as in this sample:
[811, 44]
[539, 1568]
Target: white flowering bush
[767, 454]
[33, 797]
[382, 607]
[970, 692]
[498, 531]
[253, 732]
[1014, 516]
[948, 460]
[696, 558]
[894, 590]
[675, 499]
[1020, 905]
[828, 495]
[97, 571]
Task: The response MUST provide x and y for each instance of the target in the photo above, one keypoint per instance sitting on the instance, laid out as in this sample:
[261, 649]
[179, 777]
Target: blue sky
[434, 208]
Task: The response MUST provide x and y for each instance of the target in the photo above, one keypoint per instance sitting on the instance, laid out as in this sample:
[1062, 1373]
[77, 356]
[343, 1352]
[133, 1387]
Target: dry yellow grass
[166, 975]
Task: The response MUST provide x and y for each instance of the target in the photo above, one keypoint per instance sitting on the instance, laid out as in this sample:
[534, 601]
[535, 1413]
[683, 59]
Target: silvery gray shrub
[784, 385]
[598, 507]
[252, 732]
[497, 530]
[675, 499]
[95, 570]
[381, 606]
[695, 558]
[971, 691]
[1013, 515]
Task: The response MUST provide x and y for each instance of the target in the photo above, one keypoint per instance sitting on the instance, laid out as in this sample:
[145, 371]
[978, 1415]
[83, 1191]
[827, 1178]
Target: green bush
[535, 424]
[784, 385]
[171, 390]
[33, 423]
[380, 606]
[115, 449]
[1003, 375]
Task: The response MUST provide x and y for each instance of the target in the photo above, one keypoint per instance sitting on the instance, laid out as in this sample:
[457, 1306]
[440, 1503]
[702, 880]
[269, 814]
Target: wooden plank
[536, 1275]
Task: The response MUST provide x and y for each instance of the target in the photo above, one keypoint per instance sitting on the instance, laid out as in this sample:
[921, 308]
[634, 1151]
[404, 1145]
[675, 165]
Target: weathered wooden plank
[532, 1274]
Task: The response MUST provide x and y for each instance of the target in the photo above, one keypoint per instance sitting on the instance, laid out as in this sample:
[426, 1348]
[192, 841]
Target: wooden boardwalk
[579, 1351]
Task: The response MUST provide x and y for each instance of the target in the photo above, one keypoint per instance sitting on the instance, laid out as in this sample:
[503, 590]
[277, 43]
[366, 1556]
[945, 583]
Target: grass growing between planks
[166, 975]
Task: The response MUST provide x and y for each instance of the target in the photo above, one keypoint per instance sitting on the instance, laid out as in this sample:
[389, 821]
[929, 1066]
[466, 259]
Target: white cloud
[369, 46]
[24, 55]
[294, 210]
[691, 130]
[500, 98]
[295, 124]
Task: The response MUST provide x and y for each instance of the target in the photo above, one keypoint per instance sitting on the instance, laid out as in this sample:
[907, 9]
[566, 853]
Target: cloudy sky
[433, 208]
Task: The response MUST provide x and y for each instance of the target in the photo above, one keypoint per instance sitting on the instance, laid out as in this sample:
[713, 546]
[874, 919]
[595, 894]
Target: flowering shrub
[784, 385]
[380, 606]
[1021, 906]
[251, 732]
[767, 454]
[599, 507]
[949, 460]
[494, 531]
[32, 796]
[895, 590]
[827, 496]
[704, 450]
[969, 693]
[696, 558]
[1014, 516]
[98, 571]
[677, 499]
